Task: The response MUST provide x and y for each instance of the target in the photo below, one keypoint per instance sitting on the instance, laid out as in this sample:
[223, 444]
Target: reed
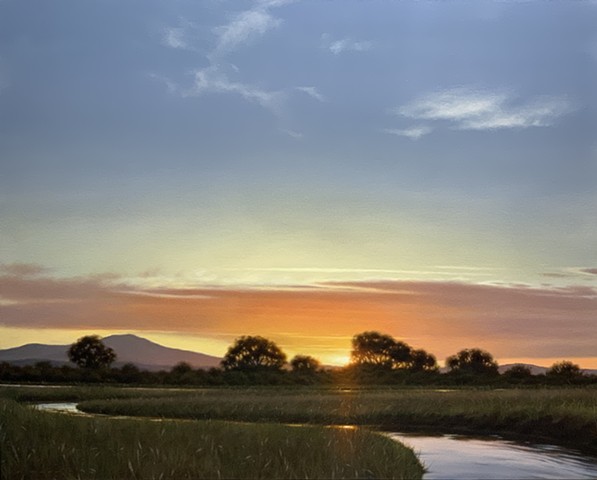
[565, 416]
[45, 445]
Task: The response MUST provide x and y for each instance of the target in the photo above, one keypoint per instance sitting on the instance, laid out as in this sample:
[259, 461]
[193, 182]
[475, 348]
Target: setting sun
[339, 360]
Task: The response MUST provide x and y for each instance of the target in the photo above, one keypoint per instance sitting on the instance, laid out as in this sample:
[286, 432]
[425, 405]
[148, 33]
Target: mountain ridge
[129, 348]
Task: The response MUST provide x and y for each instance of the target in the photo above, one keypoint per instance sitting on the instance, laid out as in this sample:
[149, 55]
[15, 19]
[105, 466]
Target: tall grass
[49, 393]
[41, 445]
[566, 416]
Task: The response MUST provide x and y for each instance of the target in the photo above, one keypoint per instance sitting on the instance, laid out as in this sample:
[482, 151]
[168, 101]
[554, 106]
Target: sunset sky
[193, 171]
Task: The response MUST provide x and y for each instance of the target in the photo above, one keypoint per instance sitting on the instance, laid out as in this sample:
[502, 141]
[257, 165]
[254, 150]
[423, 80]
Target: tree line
[375, 358]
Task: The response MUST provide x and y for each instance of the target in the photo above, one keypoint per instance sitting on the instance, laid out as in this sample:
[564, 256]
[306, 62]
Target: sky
[302, 170]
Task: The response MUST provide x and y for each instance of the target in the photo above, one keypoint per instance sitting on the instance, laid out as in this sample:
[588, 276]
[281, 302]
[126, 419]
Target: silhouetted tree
[182, 373]
[304, 364]
[374, 349]
[254, 353]
[565, 370]
[472, 361]
[90, 352]
[129, 373]
[181, 368]
[518, 371]
[401, 355]
[421, 361]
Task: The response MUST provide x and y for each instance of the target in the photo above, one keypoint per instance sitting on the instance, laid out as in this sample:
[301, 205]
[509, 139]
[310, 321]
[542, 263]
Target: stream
[464, 457]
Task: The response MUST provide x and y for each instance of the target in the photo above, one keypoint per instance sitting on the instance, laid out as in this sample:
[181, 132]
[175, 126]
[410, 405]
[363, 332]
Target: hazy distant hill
[129, 348]
[537, 370]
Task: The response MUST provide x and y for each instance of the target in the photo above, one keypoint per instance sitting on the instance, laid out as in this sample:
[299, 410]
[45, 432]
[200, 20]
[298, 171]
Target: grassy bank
[44, 445]
[74, 393]
[564, 416]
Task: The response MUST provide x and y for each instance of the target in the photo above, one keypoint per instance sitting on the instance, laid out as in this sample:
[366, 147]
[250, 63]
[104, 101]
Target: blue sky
[268, 143]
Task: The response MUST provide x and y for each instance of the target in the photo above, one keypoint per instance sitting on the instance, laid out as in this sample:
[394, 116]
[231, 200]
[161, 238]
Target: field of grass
[70, 393]
[564, 416]
[213, 445]
[44, 445]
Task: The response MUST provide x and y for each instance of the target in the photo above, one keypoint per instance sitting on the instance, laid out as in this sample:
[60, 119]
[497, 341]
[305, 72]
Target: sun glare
[339, 360]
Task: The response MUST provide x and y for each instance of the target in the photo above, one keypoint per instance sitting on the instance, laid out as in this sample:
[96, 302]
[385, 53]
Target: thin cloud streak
[414, 133]
[470, 109]
[573, 272]
[345, 45]
[590, 271]
[213, 80]
[292, 133]
[441, 271]
[23, 269]
[312, 92]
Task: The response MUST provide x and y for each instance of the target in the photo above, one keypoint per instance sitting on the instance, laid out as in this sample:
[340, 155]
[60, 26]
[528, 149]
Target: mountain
[140, 351]
[129, 348]
[35, 352]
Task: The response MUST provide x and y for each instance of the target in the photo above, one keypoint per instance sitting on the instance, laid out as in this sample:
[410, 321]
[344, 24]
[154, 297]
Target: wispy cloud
[590, 271]
[292, 133]
[344, 44]
[174, 37]
[470, 109]
[573, 272]
[22, 269]
[219, 77]
[414, 133]
[213, 80]
[183, 36]
[171, 86]
[246, 26]
[312, 92]
[274, 3]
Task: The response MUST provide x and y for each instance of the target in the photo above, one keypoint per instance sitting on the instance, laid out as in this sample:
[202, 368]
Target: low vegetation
[376, 359]
[44, 445]
[230, 432]
[565, 416]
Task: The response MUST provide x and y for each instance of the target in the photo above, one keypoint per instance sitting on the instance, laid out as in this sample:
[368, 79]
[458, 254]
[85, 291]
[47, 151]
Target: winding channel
[463, 457]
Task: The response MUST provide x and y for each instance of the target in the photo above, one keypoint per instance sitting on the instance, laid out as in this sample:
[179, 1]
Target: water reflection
[453, 456]
[62, 407]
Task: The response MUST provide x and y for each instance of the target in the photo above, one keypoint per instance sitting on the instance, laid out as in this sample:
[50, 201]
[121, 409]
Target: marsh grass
[58, 393]
[44, 445]
[565, 416]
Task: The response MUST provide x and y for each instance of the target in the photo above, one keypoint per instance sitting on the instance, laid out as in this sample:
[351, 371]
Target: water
[62, 407]
[455, 456]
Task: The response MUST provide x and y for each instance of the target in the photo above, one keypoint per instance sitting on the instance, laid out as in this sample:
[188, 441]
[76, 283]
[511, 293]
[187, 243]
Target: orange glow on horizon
[511, 322]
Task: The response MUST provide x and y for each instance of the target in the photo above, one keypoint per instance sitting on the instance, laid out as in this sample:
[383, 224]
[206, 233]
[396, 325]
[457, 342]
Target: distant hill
[129, 349]
[537, 370]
